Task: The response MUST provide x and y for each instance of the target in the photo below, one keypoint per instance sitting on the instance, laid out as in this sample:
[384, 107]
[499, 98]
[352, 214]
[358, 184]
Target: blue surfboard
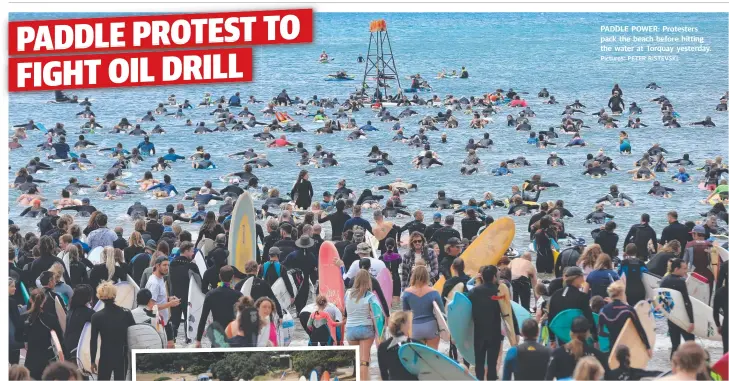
[460, 323]
[429, 364]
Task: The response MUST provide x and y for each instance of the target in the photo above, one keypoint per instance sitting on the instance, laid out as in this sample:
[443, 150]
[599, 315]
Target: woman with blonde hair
[135, 246]
[107, 270]
[588, 369]
[564, 359]
[111, 323]
[615, 314]
[62, 289]
[391, 367]
[601, 276]
[419, 298]
[659, 264]
[589, 257]
[359, 327]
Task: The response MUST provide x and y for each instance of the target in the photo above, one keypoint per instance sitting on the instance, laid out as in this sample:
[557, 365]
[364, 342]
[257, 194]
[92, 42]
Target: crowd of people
[52, 265]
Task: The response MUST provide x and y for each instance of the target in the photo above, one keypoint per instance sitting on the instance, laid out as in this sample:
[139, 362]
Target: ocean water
[559, 51]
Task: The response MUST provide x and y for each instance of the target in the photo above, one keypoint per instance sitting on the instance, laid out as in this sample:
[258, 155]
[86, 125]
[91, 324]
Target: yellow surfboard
[438, 286]
[490, 246]
[242, 240]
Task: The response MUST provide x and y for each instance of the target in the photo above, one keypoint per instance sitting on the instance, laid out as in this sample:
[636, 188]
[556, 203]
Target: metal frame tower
[380, 63]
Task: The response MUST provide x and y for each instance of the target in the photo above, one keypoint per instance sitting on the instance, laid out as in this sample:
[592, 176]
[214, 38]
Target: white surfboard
[83, 350]
[200, 262]
[95, 255]
[247, 285]
[698, 287]
[61, 313]
[671, 303]
[443, 331]
[143, 336]
[279, 290]
[650, 283]
[195, 300]
[373, 242]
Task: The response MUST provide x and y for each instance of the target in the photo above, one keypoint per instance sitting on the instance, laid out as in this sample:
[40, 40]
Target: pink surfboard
[331, 283]
[385, 279]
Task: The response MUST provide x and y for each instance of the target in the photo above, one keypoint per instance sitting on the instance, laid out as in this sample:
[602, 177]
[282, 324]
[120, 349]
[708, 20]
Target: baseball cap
[453, 241]
[698, 229]
[151, 244]
[327, 194]
[437, 215]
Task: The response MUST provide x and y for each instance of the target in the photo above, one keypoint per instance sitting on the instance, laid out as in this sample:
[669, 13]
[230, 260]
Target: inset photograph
[227, 364]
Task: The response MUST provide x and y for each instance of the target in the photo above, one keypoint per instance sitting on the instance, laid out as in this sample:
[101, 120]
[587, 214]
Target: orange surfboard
[331, 283]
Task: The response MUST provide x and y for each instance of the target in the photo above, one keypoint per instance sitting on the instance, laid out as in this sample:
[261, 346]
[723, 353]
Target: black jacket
[675, 230]
[220, 302]
[155, 229]
[563, 362]
[179, 277]
[390, 366]
[640, 235]
[486, 312]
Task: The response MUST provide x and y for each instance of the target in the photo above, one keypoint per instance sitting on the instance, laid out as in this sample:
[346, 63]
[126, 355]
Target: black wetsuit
[487, 336]
[219, 301]
[111, 323]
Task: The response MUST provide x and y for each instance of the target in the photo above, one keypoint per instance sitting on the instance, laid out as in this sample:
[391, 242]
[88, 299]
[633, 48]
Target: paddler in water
[324, 57]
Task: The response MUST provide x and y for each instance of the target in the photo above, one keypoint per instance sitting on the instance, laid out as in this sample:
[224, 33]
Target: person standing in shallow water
[302, 191]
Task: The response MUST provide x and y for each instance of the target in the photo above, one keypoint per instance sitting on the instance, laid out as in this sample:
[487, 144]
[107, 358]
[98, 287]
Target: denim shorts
[361, 332]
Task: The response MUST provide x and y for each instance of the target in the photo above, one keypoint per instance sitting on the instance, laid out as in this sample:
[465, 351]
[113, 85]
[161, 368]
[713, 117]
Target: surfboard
[83, 350]
[247, 285]
[650, 283]
[324, 376]
[456, 288]
[521, 313]
[384, 277]
[143, 336]
[378, 317]
[286, 329]
[56, 345]
[126, 296]
[24, 292]
[506, 314]
[644, 310]
[698, 287]
[331, 283]
[302, 378]
[373, 242]
[313, 376]
[443, 331]
[331, 309]
[195, 300]
[61, 313]
[95, 255]
[460, 323]
[199, 260]
[279, 290]
[670, 302]
[629, 337]
[438, 286]
[206, 245]
[721, 367]
[562, 324]
[490, 245]
[242, 240]
[429, 364]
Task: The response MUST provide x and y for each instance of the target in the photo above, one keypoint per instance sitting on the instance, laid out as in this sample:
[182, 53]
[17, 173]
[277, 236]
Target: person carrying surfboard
[391, 367]
[111, 323]
[698, 255]
[571, 297]
[676, 281]
[614, 315]
[218, 301]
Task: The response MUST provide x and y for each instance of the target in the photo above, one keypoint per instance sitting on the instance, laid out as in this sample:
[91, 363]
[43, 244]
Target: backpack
[277, 266]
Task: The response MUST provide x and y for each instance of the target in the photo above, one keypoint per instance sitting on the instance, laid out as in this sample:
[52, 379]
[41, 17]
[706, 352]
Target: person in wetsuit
[111, 323]
[676, 281]
[487, 337]
[528, 360]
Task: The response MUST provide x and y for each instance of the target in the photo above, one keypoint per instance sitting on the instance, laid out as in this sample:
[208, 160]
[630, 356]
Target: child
[681, 176]
[321, 324]
[597, 303]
